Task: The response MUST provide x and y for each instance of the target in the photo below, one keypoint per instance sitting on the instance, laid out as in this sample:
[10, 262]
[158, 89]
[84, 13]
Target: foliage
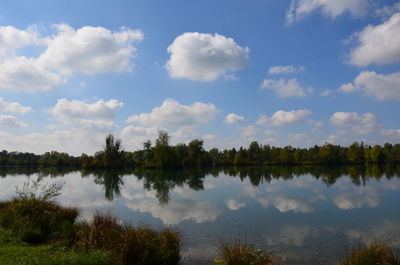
[372, 254]
[237, 253]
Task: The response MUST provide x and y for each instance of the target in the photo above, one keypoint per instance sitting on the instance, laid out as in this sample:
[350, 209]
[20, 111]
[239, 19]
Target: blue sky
[298, 72]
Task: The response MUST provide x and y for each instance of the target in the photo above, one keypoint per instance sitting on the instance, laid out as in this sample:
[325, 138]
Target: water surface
[307, 214]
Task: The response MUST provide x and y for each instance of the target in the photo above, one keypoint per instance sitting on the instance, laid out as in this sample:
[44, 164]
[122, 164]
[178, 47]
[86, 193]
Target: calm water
[308, 214]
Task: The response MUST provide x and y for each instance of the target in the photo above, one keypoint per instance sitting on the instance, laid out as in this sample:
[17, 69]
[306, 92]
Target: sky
[280, 72]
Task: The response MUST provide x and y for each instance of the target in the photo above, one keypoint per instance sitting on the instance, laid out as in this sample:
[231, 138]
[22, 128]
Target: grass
[34, 229]
[237, 253]
[376, 253]
[13, 251]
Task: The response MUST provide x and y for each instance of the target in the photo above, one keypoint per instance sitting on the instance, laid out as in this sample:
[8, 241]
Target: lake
[307, 214]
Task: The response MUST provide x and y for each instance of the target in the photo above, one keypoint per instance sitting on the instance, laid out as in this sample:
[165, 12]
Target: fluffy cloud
[281, 117]
[12, 38]
[288, 69]
[360, 124]
[375, 85]
[26, 74]
[363, 197]
[13, 107]
[249, 131]
[285, 88]
[178, 210]
[11, 121]
[301, 8]
[72, 142]
[378, 44]
[90, 50]
[232, 118]
[234, 205]
[391, 133]
[205, 57]
[173, 113]
[99, 115]
[284, 204]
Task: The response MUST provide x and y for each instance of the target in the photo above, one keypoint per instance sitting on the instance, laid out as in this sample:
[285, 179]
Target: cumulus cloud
[234, 205]
[301, 8]
[27, 75]
[288, 69]
[249, 131]
[379, 86]
[362, 197]
[69, 141]
[173, 113]
[13, 107]
[11, 121]
[205, 57]
[232, 118]
[99, 115]
[282, 117]
[285, 88]
[178, 210]
[387, 11]
[360, 124]
[378, 44]
[90, 50]
[391, 133]
[285, 204]
[12, 38]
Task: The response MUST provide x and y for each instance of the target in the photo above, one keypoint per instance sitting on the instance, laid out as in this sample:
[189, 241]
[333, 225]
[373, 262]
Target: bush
[129, 245]
[372, 254]
[237, 253]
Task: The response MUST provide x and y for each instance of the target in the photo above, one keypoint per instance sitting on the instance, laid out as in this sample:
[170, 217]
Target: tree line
[193, 154]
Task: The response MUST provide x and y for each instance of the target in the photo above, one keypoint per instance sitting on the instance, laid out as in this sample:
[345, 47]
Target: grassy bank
[34, 229]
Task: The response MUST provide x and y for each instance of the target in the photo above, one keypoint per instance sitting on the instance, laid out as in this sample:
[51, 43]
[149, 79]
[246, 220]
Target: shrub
[372, 254]
[237, 253]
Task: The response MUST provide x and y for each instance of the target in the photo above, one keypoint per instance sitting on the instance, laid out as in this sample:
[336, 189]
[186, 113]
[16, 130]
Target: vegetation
[237, 253]
[36, 230]
[193, 154]
[372, 254]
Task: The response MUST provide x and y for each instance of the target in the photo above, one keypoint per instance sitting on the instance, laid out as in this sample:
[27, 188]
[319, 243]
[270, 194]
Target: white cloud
[13, 107]
[285, 88]
[285, 204]
[26, 74]
[288, 69]
[378, 44]
[205, 57]
[234, 205]
[71, 142]
[387, 11]
[232, 118]
[12, 38]
[360, 124]
[99, 115]
[298, 137]
[381, 87]
[90, 50]
[391, 133]
[177, 210]
[249, 131]
[270, 133]
[362, 197]
[11, 121]
[301, 8]
[209, 137]
[281, 117]
[172, 113]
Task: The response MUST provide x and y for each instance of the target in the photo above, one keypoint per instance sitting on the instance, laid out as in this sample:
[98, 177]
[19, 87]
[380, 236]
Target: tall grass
[376, 253]
[130, 245]
[237, 253]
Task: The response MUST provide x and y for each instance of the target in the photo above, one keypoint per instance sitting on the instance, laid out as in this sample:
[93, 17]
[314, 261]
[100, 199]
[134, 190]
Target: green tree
[113, 152]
